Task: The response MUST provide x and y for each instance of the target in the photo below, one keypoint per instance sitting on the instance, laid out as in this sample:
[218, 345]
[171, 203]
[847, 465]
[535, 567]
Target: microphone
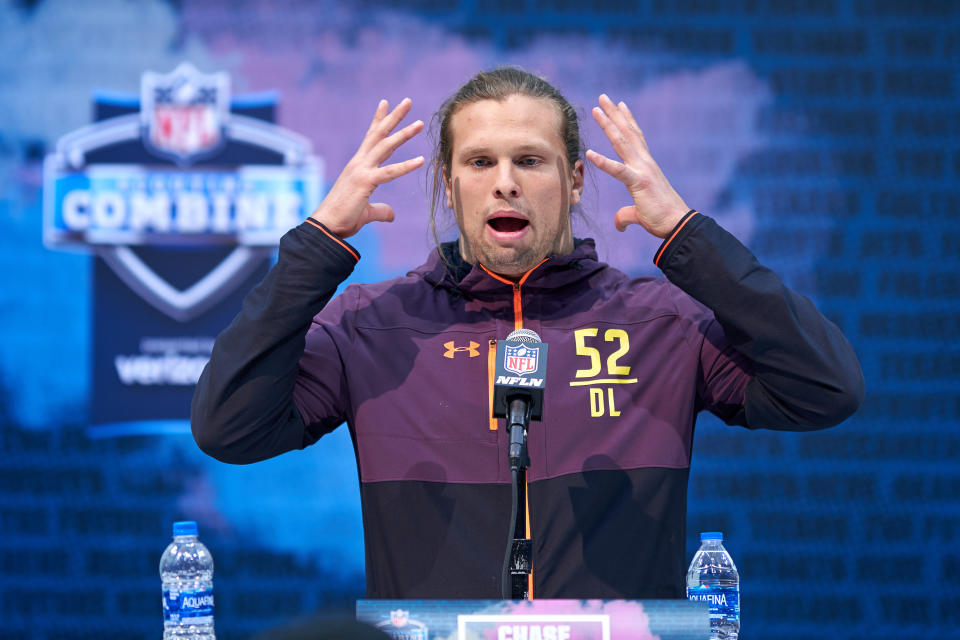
[519, 380]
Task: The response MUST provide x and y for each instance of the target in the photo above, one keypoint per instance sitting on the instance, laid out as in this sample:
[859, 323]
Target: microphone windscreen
[524, 335]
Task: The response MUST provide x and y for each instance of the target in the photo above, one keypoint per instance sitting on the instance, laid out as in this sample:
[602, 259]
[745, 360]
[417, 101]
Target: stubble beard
[513, 261]
[508, 261]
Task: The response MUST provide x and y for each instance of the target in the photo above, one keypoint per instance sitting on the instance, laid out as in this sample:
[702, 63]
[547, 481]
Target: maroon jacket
[407, 364]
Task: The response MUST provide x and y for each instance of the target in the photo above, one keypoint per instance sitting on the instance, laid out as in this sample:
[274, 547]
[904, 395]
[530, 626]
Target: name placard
[537, 619]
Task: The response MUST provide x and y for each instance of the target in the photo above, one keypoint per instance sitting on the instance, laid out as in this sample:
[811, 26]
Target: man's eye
[480, 162]
[529, 162]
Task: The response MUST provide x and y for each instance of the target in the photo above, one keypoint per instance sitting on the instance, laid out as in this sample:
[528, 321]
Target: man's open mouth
[507, 224]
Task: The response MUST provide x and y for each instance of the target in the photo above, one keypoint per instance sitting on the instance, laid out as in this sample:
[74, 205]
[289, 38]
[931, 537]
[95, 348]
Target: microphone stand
[517, 563]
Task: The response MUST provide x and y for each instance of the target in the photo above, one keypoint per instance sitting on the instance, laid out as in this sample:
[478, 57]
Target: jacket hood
[471, 280]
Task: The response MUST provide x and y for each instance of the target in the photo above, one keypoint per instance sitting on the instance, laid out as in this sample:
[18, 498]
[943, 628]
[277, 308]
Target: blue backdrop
[824, 133]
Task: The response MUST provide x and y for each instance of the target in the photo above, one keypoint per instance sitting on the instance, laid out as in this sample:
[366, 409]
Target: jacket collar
[471, 280]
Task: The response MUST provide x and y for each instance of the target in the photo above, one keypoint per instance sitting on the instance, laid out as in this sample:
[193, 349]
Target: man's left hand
[656, 206]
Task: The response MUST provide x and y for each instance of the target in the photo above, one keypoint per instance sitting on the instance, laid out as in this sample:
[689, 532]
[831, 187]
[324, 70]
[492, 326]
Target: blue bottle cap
[185, 528]
[711, 535]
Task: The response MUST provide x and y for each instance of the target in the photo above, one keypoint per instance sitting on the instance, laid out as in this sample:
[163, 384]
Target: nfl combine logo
[233, 182]
[520, 359]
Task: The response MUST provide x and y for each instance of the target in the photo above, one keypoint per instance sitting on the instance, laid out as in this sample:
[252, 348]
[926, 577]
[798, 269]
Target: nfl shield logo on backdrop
[520, 359]
[401, 626]
[183, 112]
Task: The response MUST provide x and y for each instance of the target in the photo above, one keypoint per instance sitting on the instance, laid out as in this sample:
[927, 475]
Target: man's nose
[506, 185]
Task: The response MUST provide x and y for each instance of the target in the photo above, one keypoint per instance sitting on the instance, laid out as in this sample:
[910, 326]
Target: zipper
[491, 365]
[517, 300]
[526, 506]
[517, 307]
[491, 369]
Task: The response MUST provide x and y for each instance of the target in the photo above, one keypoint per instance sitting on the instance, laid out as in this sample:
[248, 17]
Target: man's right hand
[347, 206]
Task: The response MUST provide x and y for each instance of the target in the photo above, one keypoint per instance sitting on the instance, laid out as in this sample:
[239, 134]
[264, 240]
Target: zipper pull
[491, 367]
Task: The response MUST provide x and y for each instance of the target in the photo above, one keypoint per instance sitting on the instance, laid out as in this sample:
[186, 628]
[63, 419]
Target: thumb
[379, 212]
[625, 217]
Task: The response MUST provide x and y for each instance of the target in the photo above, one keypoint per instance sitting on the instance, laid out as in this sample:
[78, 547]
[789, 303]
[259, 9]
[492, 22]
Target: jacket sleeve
[804, 373]
[244, 406]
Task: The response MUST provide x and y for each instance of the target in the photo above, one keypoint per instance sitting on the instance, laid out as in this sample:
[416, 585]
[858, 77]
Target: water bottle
[186, 570]
[712, 577]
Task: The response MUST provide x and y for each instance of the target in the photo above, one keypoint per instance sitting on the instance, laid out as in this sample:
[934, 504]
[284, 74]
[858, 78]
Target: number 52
[610, 335]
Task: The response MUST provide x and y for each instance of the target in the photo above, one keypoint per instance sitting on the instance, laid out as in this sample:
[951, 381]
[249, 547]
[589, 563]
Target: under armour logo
[452, 348]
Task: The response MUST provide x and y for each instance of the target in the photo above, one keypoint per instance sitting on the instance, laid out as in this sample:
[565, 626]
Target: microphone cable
[506, 578]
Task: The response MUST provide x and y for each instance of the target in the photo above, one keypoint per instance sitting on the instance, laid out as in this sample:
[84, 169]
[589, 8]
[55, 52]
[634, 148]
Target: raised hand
[656, 206]
[347, 207]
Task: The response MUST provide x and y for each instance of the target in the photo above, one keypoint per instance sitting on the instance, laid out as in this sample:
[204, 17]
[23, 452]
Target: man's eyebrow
[479, 150]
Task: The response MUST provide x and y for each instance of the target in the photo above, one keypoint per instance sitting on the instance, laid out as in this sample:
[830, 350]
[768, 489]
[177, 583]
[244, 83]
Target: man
[408, 363]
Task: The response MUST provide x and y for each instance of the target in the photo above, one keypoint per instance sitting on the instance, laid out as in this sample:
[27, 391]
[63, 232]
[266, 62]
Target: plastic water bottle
[712, 577]
[186, 570]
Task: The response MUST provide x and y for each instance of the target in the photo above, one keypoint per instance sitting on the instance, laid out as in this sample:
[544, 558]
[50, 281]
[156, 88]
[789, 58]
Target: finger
[378, 116]
[618, 139]
[632, 123]
[382, 127]
[385, 148]
[618, 170]
[620, 115]
[379, 212]
[393, 171]
[393, 118]
[613, 112]
[625, 217]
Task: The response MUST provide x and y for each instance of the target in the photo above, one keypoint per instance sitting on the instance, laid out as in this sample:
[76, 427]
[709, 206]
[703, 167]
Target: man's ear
[447, 190]
[576, 188]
